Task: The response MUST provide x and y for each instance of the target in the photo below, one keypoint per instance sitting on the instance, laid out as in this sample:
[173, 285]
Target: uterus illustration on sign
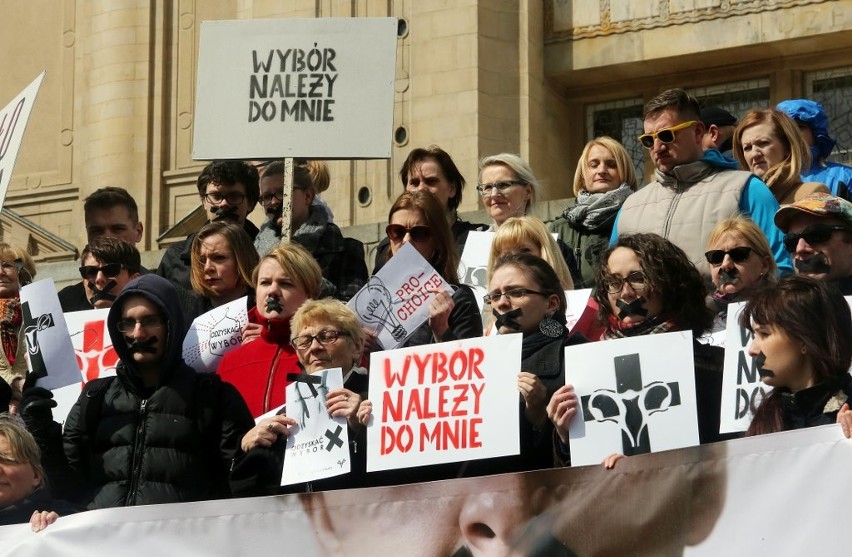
[375, 306]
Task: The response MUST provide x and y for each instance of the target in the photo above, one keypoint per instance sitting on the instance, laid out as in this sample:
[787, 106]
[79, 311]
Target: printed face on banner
[273, 88]
[395, 302]
[319, 446]
[445, 402]
[214, 334]
[637, 395]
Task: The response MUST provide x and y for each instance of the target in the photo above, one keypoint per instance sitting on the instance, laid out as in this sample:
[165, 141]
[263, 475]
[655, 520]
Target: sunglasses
[396, 232]
[665, 135]
[110, 270]
[813, 235]
[738, 255]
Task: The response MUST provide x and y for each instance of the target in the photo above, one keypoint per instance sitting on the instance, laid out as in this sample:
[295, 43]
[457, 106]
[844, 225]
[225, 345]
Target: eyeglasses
[233, 198]
[396, 232]
[324, 337]
[511, 294]
[8, 266]
[738, 255]
[147, 322]
[814, 234]
[487, 190]
[110, 270]
[267, 198]
[614, 284]
[665, 135]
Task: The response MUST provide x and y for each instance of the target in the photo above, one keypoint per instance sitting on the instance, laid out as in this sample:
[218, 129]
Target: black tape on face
[728, 276]
[759, 360]
[273, 305]
[99, 294]
[223, 213]
[507, 319]
[636, 307]
[814, 265]
[142, 346]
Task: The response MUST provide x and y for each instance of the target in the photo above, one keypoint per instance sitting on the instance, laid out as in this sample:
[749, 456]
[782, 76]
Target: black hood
[162, 294]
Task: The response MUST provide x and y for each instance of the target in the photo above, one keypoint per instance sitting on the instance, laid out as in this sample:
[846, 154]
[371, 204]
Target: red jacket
[259, 369]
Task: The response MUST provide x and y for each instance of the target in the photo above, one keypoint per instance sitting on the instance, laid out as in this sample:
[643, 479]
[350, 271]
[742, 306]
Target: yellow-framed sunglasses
[665, 135]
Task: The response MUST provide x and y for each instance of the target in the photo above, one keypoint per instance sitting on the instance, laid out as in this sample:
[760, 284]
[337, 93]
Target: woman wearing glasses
[605, 176]
[740, 262]
[417, 217]
[646, 286]
[325, 335]
[507, 186]
[284, 279]
[16, 270]
[769, 143]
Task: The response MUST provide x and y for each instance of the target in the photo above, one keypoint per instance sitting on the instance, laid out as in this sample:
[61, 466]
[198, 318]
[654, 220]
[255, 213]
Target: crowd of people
[736, 211]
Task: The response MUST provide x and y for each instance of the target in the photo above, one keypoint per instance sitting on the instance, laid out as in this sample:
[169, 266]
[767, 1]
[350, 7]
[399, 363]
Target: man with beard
[818, 235]
[341, 259]
[157, 432]
[228, 192]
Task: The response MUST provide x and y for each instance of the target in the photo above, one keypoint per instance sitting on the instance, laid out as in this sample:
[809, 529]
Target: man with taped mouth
[229, 192]
[157, 432]
[818, 235]
[108, 265]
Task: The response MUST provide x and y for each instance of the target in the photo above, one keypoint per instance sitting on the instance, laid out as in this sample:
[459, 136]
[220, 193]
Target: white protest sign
[13, 122]
[473, 265]
[637, 395]
[577, 301]
[214, 334]
[49, 347]
[272, 88]
[319, 447]
[447, 402]
[742, 389]
[395, 301]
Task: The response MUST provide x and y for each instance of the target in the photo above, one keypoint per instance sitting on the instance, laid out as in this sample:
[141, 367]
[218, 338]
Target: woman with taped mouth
[647, 285]
[284, 279]
[740, 261]
[417, 217]
[16, 270]
[325, 335]
[802, 330]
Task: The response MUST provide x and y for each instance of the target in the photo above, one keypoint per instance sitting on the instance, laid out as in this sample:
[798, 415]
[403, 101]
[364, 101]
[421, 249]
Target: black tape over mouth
[816, 264]
[142, 346]
[636, 307]
[507, 319]
[273, 304]
[759, 360]
[99, 294]
[728, 276]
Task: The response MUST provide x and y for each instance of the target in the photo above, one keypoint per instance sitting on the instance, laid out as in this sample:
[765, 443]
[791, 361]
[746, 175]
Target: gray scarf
[594, 211]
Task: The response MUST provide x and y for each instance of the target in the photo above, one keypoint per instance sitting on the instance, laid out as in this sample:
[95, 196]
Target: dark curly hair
[230, 172]
[669, 274]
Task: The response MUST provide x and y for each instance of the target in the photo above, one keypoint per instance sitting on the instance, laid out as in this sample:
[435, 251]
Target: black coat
[465, 321]
[39, 500]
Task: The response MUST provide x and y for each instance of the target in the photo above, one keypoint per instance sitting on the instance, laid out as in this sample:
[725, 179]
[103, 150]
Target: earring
[551, 328]
[804, 350]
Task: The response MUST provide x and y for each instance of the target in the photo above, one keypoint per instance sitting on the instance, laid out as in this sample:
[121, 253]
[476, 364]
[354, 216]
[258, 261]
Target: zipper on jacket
[268, 395]
[668, 222]
[138, 443]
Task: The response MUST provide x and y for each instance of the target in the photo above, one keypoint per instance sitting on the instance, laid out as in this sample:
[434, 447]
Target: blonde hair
[318, 174]
[517, 230]
[299, 265]
[240, 244]
[27, 271]
[22, 446]
[330, 311]
[751, 233]
[521, 169]
[622, 162]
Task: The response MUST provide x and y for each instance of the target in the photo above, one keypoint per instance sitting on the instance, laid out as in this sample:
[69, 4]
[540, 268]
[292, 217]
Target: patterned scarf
[619, 329]
[10, 324]
[309, 234]
[593, 211]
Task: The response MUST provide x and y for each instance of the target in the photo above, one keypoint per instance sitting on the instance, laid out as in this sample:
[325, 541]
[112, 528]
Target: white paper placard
[577, 302]
[274, 88]
[395, 301]
[637, 395]
[13, 123]
[319, 446]
[214, 334]
[473, 265]
[446, 402]
[49, 348]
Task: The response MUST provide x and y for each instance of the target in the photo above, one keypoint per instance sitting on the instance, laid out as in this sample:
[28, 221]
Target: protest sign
[49, 349]
[13, 123]
[637, 395]
[214, 334]
[447, 402]
[319, 446]
[273, 88]
[577, 302]
[473, 265]
[395, 301]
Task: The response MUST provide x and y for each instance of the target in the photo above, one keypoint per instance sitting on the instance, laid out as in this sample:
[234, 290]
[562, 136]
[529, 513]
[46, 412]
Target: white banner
[274, 88]
[395, 301]
[319, 446]
[637, 395]
[447, 402]
[13, 123]
[473, 265]
[214, 334]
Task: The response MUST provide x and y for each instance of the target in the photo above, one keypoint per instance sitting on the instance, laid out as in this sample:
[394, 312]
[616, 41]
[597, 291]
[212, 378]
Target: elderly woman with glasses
[325, 335]
[647, 285]
[508, 187]
[17, 269]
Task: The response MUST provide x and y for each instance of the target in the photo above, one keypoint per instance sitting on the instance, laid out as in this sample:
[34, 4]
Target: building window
[622, 121]
[833, 90]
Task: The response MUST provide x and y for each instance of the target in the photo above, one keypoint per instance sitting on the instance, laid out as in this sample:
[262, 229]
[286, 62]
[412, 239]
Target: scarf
[536, 340]
[686, 174]
[619, 329]
[310, 233]
[10, 324]
[594, 211]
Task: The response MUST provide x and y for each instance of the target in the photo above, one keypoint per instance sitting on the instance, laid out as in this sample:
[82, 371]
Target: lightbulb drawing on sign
[375, 306]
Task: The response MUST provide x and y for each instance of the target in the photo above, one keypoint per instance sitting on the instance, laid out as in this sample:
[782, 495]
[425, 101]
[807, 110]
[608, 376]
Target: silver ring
[346, 398]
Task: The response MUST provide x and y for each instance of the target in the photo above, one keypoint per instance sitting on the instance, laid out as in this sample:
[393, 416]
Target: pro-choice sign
[272, 88]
